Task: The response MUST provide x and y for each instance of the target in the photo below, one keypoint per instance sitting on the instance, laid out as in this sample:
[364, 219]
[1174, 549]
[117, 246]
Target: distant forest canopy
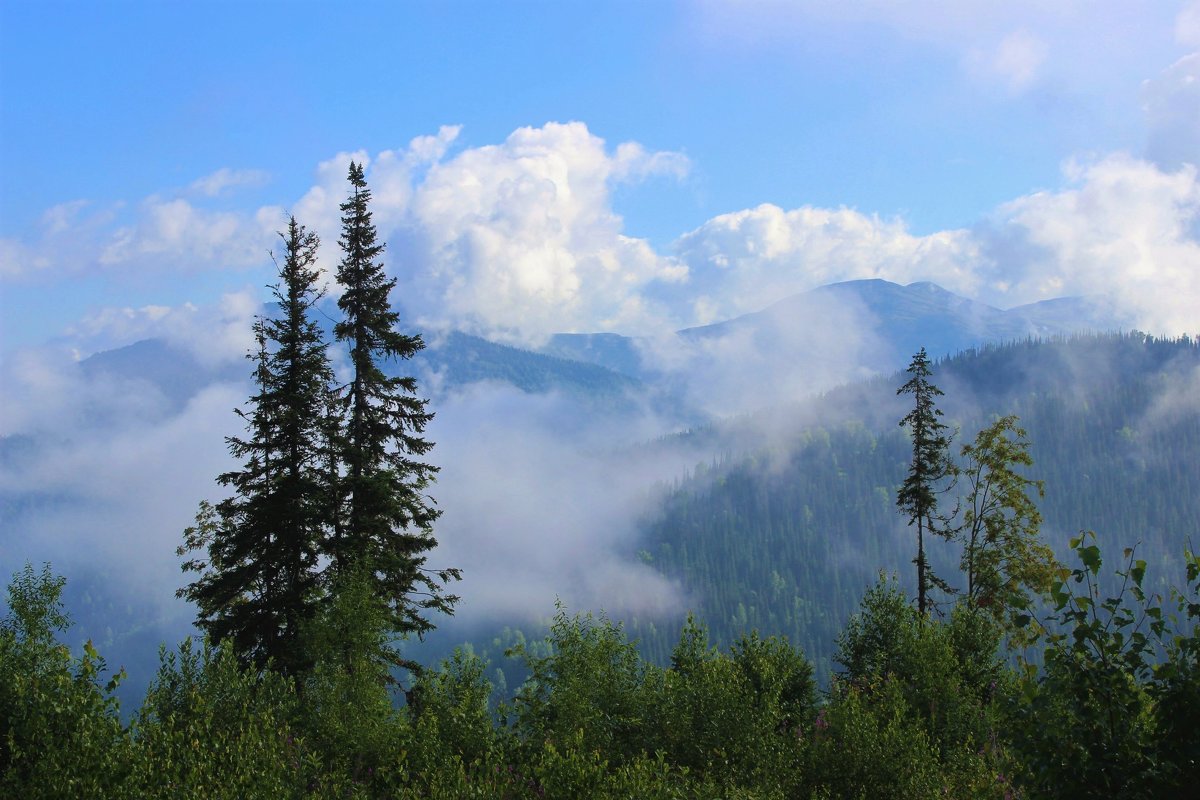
[785, 538]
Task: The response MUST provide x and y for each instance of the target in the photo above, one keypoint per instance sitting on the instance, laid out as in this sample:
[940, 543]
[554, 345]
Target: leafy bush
[1114, 712]
[210, 728]
[60, 730]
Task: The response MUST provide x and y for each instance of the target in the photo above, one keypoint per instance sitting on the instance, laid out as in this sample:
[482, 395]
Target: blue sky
[1011, 151]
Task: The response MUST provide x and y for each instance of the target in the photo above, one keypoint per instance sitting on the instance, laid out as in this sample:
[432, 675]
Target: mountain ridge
[906, 317]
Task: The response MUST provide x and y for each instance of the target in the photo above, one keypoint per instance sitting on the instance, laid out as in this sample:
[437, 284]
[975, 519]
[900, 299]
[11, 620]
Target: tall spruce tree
[259, 584]
[930, 467]
[387, 525]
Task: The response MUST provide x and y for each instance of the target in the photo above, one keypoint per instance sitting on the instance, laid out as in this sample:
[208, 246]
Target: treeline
[919, 708]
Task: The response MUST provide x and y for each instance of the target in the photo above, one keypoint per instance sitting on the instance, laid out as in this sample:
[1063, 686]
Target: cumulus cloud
[1125, 230]
[515, 241]
[318, 209]
[741, 262]
[519, 240]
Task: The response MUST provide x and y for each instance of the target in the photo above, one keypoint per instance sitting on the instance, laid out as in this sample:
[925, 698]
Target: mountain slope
[785, 538]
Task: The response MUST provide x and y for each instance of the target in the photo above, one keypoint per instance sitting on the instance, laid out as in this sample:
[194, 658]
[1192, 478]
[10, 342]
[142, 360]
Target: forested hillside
[785, 538]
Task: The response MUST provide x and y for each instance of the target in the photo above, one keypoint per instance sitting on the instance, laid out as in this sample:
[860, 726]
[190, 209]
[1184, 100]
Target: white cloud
[743, 261]
[519, 240]
[160, 235]
[1016, 60]
[215, 334]
[318, 209]
[173, 234]
[226, 178]
[1125, 230]
[65, 241]
[1171, 102]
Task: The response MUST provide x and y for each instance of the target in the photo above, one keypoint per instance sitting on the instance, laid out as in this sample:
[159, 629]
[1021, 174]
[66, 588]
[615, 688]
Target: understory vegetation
[920, 707]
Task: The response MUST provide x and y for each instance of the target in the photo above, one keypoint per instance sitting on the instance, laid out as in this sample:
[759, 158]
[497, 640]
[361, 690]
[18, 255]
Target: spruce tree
[930, 466]
[386, 527]
[259, 584]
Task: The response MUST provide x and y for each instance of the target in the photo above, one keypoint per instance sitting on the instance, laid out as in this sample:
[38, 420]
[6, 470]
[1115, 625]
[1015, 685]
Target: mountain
[606, 367]
[173, 371]
[449, 361]
[901, 319]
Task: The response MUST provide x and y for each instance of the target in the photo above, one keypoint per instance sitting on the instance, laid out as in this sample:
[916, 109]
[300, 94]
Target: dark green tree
[928, 470]
[387, 525]
[259, 582]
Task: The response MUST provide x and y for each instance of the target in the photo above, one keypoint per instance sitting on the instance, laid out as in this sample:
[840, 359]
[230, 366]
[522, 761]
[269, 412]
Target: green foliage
[1112, 713]
[1005, 565]
[209, 728]
[730, 720]
[946, 673]
[60, 730]
[593, 683]
[450, 709]
[915, 714]
[347, 710]
[868, 743]
[734, 718]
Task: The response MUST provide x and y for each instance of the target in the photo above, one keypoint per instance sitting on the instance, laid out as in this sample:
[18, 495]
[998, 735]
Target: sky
[543, 167]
